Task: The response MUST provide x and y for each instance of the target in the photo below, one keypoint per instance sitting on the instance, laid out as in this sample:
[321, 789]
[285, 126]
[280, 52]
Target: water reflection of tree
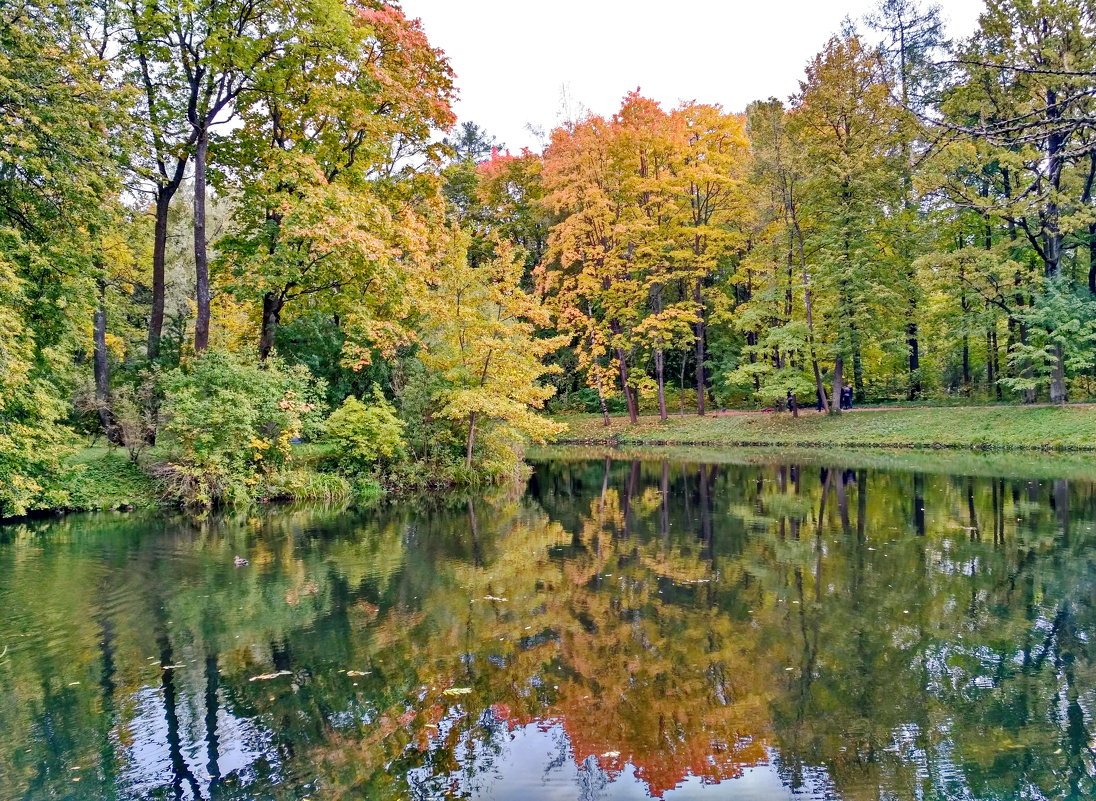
[910, 635]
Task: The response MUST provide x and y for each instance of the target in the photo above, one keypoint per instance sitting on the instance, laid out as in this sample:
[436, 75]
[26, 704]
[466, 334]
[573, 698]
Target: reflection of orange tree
[671, 689]
[588, 641]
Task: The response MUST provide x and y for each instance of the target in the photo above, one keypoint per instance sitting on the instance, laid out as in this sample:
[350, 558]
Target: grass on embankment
[1012, 464]
[102, 478]
[987, 427]
[105, 478]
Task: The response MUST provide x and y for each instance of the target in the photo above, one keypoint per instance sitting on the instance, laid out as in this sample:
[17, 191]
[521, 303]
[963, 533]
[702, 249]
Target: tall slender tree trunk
[660, 373]
[1052, 238]
[601, 400]
[996, 363]
[838, 384]
[1058, 376]
[857, 367]
[913, 343]
[991, 378]
[471, 440]
[1025, 369]
[966, 365]
[1092, 258]
[597, 369]
[102, 364]
[660, 358]
[201, 262]
[700, 329]
[272, 313]
[159, 259]
[808, 305]
[629, 398]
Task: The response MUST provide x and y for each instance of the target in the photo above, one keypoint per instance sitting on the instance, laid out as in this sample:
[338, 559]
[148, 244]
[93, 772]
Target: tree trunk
[272, 314]
[701, 331]
[914, 352]
[966, 365]
[629, 398]
[996, 363]
[819, 385]
[1052, 239]
[159, 258]
[838, 384]
[857, 368]
[991, 378]
[597, 369]
[661, 375]
[102, 365]
[1092, 258]
[471, 439]
[1058, 376]
[604, 405]
[1025, 369]
[201, 263]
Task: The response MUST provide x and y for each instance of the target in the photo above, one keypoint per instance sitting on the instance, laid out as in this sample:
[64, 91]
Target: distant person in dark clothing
[818, 402]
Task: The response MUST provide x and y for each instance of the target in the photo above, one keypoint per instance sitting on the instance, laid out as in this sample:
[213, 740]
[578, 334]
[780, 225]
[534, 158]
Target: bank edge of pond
[1010, 464]
[105, 479]
[1046, 429]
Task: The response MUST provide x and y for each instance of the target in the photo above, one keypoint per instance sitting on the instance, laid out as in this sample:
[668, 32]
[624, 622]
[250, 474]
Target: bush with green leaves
[365, 434]
[228, 421]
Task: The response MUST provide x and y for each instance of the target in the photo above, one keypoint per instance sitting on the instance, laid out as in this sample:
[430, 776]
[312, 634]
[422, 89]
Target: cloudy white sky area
[513, 57]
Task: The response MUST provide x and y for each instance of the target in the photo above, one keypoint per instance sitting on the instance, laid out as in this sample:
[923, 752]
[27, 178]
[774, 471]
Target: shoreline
[1046, 429]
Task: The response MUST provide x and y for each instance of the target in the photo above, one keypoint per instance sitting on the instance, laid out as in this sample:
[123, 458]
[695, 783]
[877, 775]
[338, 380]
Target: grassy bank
[1027, 465]
[105, 478]
[985, 427]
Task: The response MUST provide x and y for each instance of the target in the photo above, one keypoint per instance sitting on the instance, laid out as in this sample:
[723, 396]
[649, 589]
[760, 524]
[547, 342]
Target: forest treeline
[229, 226]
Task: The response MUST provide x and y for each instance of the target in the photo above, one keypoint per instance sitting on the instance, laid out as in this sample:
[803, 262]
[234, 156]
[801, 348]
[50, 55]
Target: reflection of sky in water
[148, 756]
[535, 761]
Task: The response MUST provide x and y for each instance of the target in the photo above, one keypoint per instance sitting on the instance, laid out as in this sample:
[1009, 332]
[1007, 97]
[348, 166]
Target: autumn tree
[479, 335]
[712, 170]
[333, 167]
[586, 271]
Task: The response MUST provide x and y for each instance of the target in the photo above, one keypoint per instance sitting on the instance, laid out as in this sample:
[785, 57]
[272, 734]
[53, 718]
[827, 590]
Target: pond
[765, 627]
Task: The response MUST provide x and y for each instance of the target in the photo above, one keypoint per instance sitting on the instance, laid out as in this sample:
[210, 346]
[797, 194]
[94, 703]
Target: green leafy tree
[366, 433]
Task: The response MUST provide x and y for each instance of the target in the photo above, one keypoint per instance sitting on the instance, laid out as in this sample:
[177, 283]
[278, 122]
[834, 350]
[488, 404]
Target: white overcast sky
[513, 57]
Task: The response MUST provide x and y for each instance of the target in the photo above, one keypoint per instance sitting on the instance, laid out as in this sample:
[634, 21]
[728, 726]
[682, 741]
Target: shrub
[364, 434]
[229, 420]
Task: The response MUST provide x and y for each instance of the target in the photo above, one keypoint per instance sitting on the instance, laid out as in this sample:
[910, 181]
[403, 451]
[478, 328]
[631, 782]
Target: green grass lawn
[105, 478]
[989, 427]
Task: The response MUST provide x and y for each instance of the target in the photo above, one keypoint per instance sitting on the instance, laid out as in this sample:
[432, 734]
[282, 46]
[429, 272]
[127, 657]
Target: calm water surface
[622, 630]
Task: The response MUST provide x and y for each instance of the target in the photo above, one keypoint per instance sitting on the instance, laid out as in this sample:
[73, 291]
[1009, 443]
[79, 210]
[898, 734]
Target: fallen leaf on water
[358, 672]
[268, 676]
[492, 598]
[611, 754]
[457, 691]
[171, 667]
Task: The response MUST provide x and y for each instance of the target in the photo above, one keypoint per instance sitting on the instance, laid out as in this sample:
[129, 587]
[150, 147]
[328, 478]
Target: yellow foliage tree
[480, 337]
